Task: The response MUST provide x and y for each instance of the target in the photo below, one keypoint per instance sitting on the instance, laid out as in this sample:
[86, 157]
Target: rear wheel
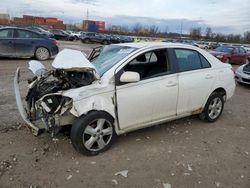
[213, 108]
[42, 54]
[86, 41]
[93, 133]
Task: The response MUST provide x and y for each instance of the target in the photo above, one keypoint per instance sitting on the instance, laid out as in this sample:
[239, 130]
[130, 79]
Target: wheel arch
[221, 91]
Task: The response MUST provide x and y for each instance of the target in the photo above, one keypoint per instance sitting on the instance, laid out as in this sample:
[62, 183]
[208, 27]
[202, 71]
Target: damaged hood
[69, 59]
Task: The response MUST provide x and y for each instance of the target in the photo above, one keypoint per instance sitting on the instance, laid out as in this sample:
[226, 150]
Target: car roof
[141, 45]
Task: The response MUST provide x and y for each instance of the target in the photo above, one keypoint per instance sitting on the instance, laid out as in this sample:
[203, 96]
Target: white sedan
[121, 88]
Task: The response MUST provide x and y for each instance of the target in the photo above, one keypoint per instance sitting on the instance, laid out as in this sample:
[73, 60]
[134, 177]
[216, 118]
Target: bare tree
[208, 33]
[137, 28]
[195, 33]
[153, 30]
[247, 37]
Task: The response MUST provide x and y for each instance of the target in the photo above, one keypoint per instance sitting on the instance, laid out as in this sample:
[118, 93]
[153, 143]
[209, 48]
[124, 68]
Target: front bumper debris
[22, 111]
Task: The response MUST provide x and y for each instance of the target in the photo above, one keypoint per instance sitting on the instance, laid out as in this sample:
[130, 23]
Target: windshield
[224, 49]
[110, 56]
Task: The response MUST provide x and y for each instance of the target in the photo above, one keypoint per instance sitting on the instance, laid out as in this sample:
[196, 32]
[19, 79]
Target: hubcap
[215, 108]
[42, 53]
[97, 134]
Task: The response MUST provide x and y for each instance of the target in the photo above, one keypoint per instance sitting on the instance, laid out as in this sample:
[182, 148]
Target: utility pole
[181, 28]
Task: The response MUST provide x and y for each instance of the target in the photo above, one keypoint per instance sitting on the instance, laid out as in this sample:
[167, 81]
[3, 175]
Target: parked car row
[91, 37]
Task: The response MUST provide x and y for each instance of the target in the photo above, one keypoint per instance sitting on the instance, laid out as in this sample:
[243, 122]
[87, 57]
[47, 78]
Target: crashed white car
[122, 88]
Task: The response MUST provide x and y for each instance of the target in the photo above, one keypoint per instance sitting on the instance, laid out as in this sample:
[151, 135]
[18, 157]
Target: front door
[153, 98]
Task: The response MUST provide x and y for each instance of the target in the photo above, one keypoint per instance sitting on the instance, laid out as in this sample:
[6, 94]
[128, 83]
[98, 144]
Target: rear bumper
[20, 106]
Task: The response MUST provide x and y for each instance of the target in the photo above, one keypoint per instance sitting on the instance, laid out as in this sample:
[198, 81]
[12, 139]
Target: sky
[227, 16]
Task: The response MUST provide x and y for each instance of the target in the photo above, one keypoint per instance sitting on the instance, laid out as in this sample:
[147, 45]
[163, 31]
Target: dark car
[230, 54]
[61, 35]
[125, 39]
[18, 42]
[90, 37]
[41, 31]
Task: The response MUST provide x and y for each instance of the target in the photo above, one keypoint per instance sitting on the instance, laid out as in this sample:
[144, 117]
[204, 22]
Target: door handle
[208, 76]
[171, 84]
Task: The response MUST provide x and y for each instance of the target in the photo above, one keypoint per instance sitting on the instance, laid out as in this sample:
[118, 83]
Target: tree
[153, 30]
[137, 28]
[195, 33]
[247, 37]
[208, 33]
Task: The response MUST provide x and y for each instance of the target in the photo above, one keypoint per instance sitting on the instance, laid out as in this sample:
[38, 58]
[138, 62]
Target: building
[93, 26]
[4, 19]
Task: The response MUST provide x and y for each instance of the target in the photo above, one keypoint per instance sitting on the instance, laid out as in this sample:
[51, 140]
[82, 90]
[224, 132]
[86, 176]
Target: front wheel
[93, 133]
[42, 54]
[213, 108]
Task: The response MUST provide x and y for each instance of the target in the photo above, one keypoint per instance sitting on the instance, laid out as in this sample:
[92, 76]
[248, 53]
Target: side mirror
[130, 77]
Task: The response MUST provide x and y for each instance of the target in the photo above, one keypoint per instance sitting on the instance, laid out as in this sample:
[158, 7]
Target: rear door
[7, 42]
[196, 78]
[25, 43]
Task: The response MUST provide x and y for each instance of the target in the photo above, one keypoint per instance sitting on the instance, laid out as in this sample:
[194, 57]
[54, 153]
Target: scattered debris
[166, 185]
[172, 174]
[186, 174]
[55, 140]
[128, 159]
[77, 162]
[217, 184]
[241, 176]
[115, 181]
[34, 149]
[138, 139]
[69, 177]
[92, 162]
[247, 153]
[190, 168]
[123, 173]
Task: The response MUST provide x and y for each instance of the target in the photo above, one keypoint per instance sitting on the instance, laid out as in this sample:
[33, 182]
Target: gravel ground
[187, 153]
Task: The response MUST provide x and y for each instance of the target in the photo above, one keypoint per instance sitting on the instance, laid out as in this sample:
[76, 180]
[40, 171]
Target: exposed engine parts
[45, 104]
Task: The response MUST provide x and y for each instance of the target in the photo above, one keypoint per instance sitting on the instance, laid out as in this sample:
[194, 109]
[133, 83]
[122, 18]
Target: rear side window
[7, 33]
[26, 34]
[189, 60]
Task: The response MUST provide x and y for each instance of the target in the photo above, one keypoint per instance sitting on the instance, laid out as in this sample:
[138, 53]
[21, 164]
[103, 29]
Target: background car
[18, 42]
[203, 45]
[230, 54]
[90, 37]
[242, 74]
[62, 35]
[41, 31]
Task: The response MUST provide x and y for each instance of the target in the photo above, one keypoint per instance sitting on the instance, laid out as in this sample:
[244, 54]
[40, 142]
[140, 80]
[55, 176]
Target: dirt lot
[184, 153]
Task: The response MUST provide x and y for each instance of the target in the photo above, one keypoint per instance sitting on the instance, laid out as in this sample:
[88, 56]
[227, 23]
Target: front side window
[150, 64]
[7, 33]
[189, 60]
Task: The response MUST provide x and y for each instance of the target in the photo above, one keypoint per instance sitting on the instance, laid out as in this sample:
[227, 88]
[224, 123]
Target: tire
[213, 108]
[105, 42]
[88, 137]
[42, 54]
[86, 41]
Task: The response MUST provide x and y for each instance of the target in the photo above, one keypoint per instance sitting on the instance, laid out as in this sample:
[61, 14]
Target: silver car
[242, 74]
